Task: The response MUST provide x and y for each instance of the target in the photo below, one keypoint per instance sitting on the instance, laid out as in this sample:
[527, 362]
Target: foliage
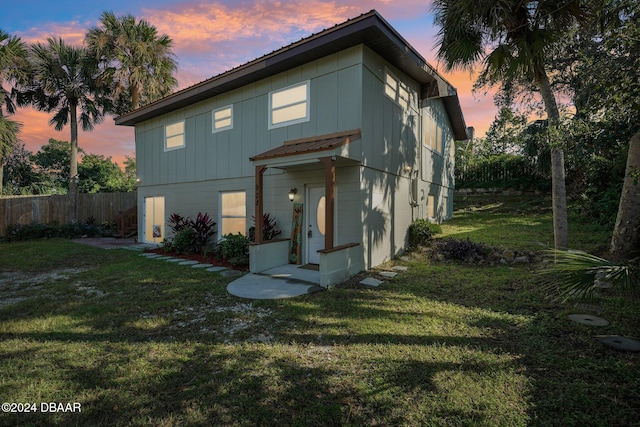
[177, 222]
[22, 232]
[460, 250]
[233, 246]
[269, 228]
[194, 234]
[133, 59]
[502, 171]
[203, 227]
[98, 174]
[184, 241]
[421, 231]
[573, 275]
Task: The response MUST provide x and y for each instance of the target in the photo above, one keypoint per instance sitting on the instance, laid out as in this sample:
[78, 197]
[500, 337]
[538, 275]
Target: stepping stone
[589, 307]
[405, 258]
[389, 274]
[216, 269]
[171, 259]
[230, 273]
[587, 319]
[149, 255]
[162, 257]
[188, 262]
[370, 281]
[400, 268]
[202, 266]
[618, 342]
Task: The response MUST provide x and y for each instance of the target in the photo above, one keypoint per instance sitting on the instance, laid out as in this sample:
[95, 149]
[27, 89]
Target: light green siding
[335, 106]
[347, 91]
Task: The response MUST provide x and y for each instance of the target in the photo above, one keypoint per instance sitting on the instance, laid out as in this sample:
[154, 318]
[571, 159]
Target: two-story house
[351, 122]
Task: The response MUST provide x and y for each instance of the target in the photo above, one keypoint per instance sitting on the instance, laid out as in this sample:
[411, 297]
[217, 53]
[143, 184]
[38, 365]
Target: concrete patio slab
[286, 281]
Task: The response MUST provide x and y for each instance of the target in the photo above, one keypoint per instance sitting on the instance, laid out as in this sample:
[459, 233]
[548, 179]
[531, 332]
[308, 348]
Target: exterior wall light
[292, 194]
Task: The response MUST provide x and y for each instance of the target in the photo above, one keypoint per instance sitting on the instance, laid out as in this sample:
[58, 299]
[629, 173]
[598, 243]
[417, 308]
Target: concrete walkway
[285, 281]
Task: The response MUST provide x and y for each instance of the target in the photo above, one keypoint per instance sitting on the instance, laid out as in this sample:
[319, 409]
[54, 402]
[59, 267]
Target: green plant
[269, 228]
[233, 246]
[184, 241]
[421, 231]
[573, 274]
[177, 222]
[203, 227]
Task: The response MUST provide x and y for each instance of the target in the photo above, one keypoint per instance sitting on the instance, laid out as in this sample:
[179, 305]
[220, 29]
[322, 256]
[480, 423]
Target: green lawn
[145, 342]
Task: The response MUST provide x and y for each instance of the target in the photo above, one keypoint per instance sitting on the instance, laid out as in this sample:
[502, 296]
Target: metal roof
[310, 145]
[369, 29]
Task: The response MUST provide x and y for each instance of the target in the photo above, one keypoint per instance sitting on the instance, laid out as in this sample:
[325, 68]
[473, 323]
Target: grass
[145, 342]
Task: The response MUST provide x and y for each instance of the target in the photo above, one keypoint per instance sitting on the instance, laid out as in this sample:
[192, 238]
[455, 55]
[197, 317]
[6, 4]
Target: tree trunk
[1, 174]
[625, 242]
[558, 188]
[73, 170]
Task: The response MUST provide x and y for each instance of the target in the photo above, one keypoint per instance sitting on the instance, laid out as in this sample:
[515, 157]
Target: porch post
[329, 182]
[259, 204]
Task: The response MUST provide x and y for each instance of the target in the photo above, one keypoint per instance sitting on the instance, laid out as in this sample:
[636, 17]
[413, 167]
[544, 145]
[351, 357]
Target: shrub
[421, 231]
[22, 232]
[233, 246]
[177, 222]
[184, 240]
[202, 229]
[203, 226]
[269, 230]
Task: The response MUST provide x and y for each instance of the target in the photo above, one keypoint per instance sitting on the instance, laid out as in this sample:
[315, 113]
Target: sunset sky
[211, 37]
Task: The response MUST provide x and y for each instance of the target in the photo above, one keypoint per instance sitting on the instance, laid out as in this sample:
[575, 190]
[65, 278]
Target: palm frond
[574, 275]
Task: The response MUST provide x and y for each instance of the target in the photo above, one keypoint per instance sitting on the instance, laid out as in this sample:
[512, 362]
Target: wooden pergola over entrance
[324, 149]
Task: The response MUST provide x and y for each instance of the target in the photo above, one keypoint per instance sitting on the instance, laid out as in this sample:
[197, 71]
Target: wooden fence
[61, 209]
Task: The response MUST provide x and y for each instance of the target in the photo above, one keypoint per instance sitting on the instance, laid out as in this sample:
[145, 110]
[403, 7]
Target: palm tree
[510, 38]
[134, 60]
[62, 81]
[13, 54]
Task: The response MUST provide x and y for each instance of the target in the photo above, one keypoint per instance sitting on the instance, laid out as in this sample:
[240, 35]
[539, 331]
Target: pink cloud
[72, 32]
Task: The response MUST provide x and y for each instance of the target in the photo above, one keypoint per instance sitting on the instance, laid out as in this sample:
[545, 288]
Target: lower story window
[431, 206]
[233, 213]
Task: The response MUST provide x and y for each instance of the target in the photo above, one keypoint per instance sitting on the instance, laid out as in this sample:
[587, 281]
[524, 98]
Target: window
[222, 118]
[396, 90]
[233, 213]
[432, 133]
[174, 136]
[289, 106]
[431, 206]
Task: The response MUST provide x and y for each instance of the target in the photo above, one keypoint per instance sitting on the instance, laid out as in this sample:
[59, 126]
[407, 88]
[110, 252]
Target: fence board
[59, 209]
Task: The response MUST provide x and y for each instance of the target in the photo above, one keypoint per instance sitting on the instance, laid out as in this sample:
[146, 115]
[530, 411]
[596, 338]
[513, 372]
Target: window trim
[306, 118]
[183, 133]
[213, 119]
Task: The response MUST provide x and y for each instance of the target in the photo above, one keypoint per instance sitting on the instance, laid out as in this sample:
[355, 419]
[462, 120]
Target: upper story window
[433, 136]
[289, 106]
[396, 90]
[174, 136]
[223, 118]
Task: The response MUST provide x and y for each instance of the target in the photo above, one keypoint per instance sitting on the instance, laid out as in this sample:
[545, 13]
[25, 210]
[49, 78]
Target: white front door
[315, 223]
[153, 219]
